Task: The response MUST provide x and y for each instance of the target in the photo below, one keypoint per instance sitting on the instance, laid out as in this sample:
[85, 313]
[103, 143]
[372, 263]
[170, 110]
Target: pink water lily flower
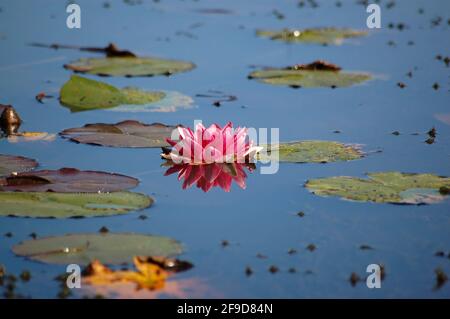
[212, 175]
[211, 145]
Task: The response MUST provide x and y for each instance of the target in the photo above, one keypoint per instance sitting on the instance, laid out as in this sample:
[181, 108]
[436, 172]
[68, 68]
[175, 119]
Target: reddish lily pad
[131, 134]
[67, 180]
[15, 164]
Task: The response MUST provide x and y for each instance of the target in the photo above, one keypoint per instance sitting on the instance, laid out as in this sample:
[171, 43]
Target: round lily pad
[384, 187]
[315, 35]
[129, 66]
[82, 94]
[67, 180]
[311, 152]
[15, 164]
[65, 205]
[307, 78]
[132, 134]
[108, 248]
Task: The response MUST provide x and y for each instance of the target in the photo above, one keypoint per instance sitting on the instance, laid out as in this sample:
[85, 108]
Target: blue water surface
[262, 218]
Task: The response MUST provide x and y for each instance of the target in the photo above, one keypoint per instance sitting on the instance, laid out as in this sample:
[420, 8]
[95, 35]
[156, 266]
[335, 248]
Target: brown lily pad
[132, 134]
[67, 180]
[15, 164]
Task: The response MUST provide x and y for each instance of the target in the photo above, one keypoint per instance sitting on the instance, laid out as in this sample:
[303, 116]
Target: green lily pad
[297, 77]
[108, 248]
[129, 66]
[65, 205]
[171, 102]
[132, 134]
[82, 94]
[327, 36]
[15, 164]
[311, 152]
[67, 180]
[384, 187]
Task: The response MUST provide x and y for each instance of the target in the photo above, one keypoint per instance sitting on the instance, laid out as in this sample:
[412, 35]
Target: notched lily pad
[312, 75]
[67, 180]
[131, 134]
[326, 36]
[311, 152]
[384, 187]
[82, 94]
[109, 248]
[15, 164]
[129, 66]
[65, 205]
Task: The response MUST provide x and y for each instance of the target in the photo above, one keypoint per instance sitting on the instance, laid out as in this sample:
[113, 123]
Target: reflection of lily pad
[386, 187]
[65, 205]
[304, 77]
[171, 102]
[311, 152]
[129, 66]
[82, 94]
[67, 180]
[316, 35]
[109, 248]
[10, 164]
[123, 134]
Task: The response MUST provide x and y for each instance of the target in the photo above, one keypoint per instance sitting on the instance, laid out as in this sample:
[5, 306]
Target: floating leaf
[171, 102]
[313, 75]
[108, 248]
[311, 152]
[123, 134]
[65, 205]
[121, 62]
[151, 273]
[148, 276]
[15, 164]
[168, 264]
[129, 66]
[384, 187]
[315, 35]
[67, 180]
[31, 137]
[82, 94]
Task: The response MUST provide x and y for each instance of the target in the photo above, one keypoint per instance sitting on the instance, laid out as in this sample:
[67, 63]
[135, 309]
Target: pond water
[262, 218]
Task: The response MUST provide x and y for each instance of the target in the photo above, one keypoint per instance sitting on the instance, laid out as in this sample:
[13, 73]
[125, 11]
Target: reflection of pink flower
[211, 145]
[211, 175]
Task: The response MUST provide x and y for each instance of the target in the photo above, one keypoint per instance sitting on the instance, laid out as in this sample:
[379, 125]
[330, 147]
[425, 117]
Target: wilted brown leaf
[67, 180]
[148, 275]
